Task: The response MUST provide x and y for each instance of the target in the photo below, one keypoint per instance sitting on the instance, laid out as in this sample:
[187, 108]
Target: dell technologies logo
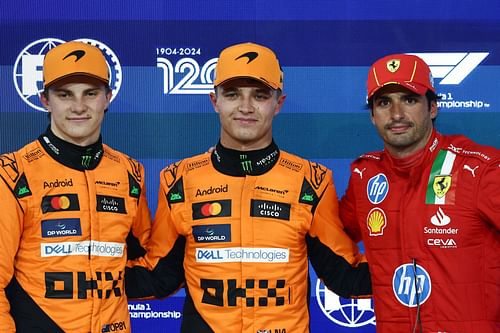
[28, 75]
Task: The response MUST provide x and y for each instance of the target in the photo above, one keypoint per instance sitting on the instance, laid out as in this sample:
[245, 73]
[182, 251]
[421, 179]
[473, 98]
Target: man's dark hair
[430, 95]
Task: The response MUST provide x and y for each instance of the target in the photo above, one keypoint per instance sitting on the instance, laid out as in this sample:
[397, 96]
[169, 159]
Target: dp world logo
[344, 312]
[28, 76]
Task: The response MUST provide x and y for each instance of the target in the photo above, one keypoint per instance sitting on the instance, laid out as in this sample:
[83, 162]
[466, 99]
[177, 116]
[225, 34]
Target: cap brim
[46, 85]
[412, 86]
[270, 85]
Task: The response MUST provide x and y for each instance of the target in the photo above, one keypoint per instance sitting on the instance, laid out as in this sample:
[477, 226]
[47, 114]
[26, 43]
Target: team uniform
[69, 216]
[241, 226]
[431, 226]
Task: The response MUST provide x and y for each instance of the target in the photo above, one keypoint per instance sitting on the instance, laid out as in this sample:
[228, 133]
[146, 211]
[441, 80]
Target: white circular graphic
[28, 75]
[344, 312]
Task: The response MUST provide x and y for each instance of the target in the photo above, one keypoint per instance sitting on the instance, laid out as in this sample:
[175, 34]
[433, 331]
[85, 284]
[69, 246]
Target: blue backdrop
[162, 55]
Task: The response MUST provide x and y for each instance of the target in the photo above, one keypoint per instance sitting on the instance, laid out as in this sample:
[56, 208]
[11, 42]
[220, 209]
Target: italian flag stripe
[443, 164]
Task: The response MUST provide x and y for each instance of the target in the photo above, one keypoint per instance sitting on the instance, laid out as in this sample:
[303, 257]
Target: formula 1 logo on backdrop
[28, 76]
[344, 312]
[452, 67]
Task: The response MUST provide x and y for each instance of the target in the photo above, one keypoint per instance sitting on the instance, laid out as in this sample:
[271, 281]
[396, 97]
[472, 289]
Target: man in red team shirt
[428, 210]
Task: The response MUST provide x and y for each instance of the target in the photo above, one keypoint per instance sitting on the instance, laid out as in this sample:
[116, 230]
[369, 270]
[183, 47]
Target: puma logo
[360, 172]
[473, 171]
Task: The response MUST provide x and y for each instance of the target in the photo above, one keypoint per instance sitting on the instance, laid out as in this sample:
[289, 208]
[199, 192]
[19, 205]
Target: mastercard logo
[211, 209]
[60, 203]
[208, 209]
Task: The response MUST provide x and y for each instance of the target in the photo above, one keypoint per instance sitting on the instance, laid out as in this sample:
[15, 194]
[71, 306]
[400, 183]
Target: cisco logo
[344, 312]
[28, 75]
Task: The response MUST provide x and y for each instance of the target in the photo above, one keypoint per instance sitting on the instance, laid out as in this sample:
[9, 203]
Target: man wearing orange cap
[72, 209]
[427, 209]
[241, 222]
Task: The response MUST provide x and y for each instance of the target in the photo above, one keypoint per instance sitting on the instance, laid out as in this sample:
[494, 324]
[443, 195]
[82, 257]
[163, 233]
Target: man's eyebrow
[264, 90]
[61, 90]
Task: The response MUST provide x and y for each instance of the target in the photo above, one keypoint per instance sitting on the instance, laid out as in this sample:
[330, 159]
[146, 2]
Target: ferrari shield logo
[441, 185]
[393, 65]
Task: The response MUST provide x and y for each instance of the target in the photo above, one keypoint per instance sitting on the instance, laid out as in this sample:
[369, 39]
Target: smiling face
[76, 105]
[246, 109]
[403, 119]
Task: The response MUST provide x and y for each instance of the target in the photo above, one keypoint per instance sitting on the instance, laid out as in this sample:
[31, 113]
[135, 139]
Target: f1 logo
[453, 67]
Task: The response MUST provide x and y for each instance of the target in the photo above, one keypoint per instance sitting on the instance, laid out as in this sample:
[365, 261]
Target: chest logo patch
[61, 228]
[208, 209]
[61, 202]
[377, 188]
[211, 233]
[411, 284]
[441, 185]
[376, 222]
[107, 203]
[270, 209]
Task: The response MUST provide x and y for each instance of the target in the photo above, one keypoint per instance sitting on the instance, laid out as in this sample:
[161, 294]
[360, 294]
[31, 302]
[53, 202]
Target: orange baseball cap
[405, 70]
[249, 60]
[74, 58]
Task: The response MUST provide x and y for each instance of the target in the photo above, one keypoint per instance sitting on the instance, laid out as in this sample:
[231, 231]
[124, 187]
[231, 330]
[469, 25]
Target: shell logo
[376, 222]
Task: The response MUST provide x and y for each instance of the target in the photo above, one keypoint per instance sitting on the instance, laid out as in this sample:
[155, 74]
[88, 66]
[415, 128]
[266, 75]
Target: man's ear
[213, 100]
[434, 109]
[278, 107]
[44, 100]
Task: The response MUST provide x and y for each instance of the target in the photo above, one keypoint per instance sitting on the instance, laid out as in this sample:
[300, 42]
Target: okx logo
[28, 69]
[452, 67]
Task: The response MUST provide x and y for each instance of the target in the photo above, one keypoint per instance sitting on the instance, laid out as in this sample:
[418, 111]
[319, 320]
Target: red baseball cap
[249, 60]
[405, 70]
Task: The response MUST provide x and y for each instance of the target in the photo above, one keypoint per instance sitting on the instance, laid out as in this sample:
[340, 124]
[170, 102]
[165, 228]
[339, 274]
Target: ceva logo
[28, 75]
[452, 67]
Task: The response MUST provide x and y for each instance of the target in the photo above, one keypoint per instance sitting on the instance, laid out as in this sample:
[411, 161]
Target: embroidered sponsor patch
[61, 228]
[377, 188]
[60, 202]
[212, 233]
[107, 203]
[208, 209]
[440, 187]
[376, 222]
[270, 209]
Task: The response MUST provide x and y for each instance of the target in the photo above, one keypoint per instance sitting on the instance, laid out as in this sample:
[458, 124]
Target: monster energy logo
[246, 165]
[86, 159]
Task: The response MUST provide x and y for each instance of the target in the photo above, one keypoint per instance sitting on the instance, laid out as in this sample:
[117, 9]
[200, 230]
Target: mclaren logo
[452, 67]
[78, 54]
[250, 55]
